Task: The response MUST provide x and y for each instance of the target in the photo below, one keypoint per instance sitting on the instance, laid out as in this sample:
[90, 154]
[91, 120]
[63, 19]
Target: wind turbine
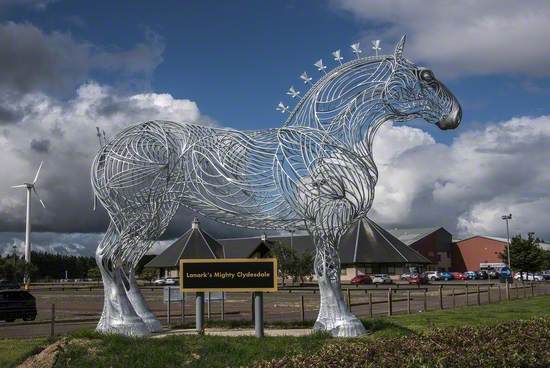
[31, 187]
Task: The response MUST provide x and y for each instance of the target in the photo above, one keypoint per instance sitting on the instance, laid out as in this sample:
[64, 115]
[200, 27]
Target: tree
[526, 255]
[148, 274]
[94, 273]
[290, 263]
[285, 258]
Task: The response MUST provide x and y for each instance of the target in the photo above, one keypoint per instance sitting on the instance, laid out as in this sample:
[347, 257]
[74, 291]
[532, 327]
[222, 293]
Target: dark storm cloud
[32, 60]
[40, 145]
[9, 115]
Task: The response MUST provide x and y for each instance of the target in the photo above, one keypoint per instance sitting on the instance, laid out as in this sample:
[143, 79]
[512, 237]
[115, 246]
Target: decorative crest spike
[337, 56]
[282, 108]
[376, 46]
[292, 92]
[356, 49]
[320, 66]
[306, 78]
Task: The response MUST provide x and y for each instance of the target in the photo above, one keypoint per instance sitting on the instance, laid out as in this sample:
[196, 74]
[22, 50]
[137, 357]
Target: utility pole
[507, 218]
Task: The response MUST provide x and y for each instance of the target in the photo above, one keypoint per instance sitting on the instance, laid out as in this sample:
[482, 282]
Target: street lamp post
[14, 264]
[507, 218]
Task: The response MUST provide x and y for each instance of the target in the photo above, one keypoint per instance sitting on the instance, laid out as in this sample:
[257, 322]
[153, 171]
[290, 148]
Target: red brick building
[472, 253]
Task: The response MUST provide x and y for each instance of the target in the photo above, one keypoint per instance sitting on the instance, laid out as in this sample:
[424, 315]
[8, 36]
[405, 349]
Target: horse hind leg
[140, 305]
[119, 315]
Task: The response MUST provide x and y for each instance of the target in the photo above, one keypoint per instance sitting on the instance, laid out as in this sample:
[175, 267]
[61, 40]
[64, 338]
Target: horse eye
[426, 75]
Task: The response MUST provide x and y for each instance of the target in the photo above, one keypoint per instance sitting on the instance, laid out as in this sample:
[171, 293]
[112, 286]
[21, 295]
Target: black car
[494, 274]
[5, 284]
[482, 275]
[16, 304]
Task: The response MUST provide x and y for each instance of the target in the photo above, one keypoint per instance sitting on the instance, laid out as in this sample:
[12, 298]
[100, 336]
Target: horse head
[414, 92]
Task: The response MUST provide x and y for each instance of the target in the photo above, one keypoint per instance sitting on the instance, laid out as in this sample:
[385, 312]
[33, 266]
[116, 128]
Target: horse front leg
[334, 315]
[118, 316]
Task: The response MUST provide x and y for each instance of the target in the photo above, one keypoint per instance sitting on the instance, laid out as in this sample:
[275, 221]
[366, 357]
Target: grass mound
[507, 344]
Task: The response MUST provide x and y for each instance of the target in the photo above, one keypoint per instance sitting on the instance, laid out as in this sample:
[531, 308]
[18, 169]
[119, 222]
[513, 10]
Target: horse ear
[398, 53]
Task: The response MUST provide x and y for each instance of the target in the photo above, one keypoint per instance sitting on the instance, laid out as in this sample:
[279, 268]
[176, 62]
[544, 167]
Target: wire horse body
[315, 173]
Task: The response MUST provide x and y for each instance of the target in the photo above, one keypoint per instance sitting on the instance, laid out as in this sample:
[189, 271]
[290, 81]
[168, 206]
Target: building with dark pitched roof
[193, 244]
[434, 243]
[366, 248]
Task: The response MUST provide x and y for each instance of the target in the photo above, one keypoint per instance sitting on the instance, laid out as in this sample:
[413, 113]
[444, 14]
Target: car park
[470, 275]
[446, 276]
[361, 280]
[15, 304]
[381, 278]
[418, 279]
[458, 276]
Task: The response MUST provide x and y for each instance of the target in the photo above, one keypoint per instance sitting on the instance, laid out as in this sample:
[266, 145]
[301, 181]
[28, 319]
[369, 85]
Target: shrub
[509, 344]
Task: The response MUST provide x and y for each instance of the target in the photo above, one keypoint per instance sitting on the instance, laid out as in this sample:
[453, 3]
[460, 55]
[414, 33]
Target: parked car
[493, 274]
[170, 282]
[361, 280]
[528, 276]
[546, 275]
[446, 276]
[506, 275]
[161, 281]
[482, 275]
[418, 279]
[433, 275]
[470, 275]
[458, 276]
[16, 304]
[5, 284]
[381, 278]
[406, 276]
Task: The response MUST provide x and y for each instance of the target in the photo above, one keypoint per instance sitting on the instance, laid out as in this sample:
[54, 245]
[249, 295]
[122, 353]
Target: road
[85, 305]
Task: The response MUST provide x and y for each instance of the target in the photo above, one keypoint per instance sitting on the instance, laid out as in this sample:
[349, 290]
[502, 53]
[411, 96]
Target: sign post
[199, 312]
[257, 275]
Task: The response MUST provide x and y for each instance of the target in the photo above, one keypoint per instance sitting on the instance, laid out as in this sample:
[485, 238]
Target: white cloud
[463, 37]
[65, 132]
[469, 184]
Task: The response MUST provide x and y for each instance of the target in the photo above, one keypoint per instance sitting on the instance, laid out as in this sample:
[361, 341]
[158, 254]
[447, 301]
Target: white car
[381, 278]
[159, 282]
[433, 275]
[170, 282]
[528, 277]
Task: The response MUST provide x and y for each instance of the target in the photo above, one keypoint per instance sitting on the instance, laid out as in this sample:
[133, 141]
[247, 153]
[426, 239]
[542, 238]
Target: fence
[61, 310]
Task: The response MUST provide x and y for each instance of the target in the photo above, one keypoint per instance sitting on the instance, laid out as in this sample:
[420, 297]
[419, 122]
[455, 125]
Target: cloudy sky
[68, 67]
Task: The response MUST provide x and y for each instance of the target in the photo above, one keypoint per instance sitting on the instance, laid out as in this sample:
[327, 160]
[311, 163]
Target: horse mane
[332, 95]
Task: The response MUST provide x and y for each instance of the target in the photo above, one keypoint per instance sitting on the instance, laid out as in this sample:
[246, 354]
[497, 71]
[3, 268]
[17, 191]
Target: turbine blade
[19, 186]
[37, 172]
[40, 199]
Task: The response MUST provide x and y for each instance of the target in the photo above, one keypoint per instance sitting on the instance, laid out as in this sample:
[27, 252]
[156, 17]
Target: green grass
[14, 351]
[90, 349]
[483, 315]
[182, 351]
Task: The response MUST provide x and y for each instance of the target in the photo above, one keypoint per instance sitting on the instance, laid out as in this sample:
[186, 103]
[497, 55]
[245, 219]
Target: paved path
[237, 332]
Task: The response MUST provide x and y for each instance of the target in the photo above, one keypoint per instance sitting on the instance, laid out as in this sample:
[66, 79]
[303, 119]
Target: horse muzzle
[452, 120]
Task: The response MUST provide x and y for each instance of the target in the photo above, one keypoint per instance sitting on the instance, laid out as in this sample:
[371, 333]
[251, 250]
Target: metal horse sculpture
[316, 173]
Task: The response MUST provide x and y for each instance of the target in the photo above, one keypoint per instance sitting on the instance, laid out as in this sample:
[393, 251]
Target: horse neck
[346, 103]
